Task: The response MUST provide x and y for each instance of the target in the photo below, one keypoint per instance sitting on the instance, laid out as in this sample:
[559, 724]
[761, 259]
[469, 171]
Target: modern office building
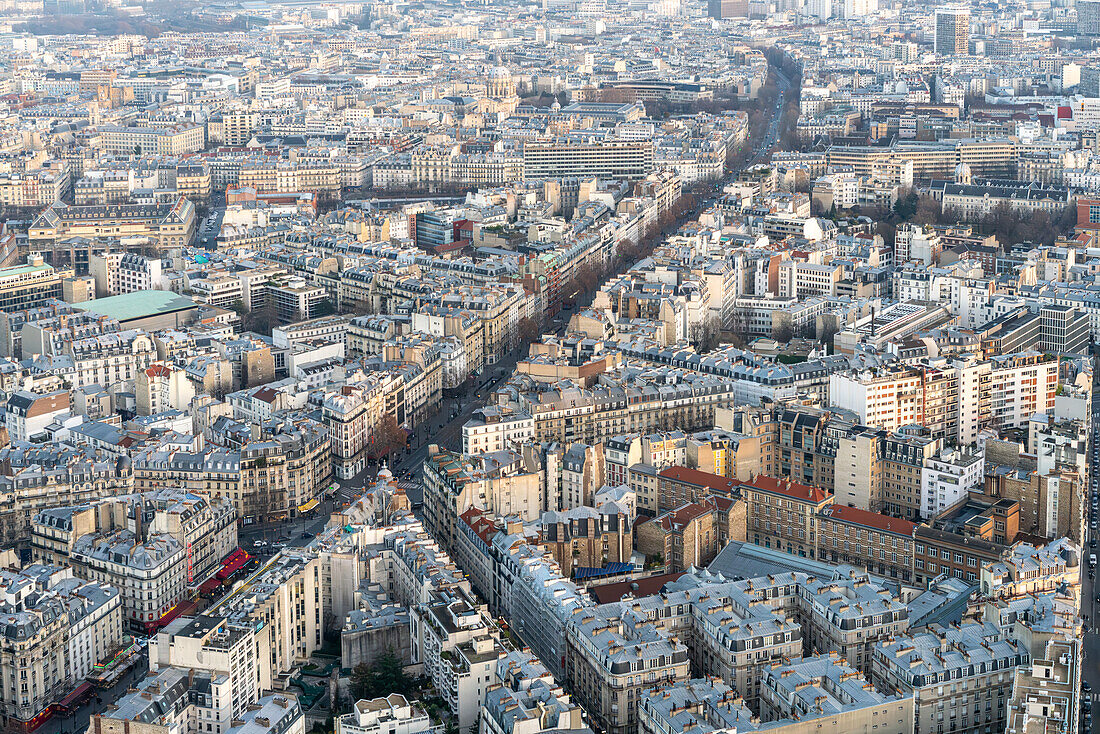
[952, 31]
[721, 9]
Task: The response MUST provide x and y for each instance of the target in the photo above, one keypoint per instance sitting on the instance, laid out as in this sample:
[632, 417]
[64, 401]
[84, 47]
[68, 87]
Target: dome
[500, 72]
[963, 173]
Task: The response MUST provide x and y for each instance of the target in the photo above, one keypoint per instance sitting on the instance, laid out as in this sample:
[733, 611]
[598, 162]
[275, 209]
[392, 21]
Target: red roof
[75, 694]
[684, 514]
[482, 526]
[182, 609]
[870, 519]
[233, 563]
[699, 478]
[266, 394]
[647, 586]
[788, 488]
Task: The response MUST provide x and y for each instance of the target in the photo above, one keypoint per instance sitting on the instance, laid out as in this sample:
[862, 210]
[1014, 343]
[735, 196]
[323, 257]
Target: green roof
[21, 269]
[136, 305]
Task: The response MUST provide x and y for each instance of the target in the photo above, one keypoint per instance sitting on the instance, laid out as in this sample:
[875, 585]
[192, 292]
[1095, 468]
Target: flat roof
[136, 305]
[22, 269]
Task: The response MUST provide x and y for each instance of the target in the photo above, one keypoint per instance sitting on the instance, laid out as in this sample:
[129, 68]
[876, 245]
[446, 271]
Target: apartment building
[1026, 569]
[502, 483]
[211, 645]
[631, 160]
[50, 475]
[841, 699]
[782, 514]
[683, 538]
[842, 695]
[57, 628]
[177, 701]
[205, 527]
[960, 677]
[1020, 386]
[30, 286]
[162, 386]
[495, 428]
[124, 272]
[678, 485]
[150, 572]
[938, 552]
[352, 414]
[392, 714]
[881, 544]
[34, 188]
[953, 400]
[459, 652]
[947, 479]
[103, 359]
[1048, 693]
[282, 177]
[587, 537]
[174, 140]
[610, 668]
[267, 479]
[169, 225]
[284, 606]
[529, 700]
[28, 414]
[848, 615]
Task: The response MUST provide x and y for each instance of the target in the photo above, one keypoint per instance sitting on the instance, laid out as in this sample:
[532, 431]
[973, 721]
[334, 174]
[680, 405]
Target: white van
[1092, 560]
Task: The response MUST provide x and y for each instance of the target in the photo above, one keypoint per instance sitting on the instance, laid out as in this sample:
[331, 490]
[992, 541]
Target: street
[78, 720]
[1090, 608]
[445, 427]
[446, 431]
[771, 138]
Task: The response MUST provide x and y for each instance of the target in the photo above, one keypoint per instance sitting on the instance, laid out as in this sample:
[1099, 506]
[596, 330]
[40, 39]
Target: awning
[75, 695]
[183, 608]
[209, 585]
[309, 505]
[235, 562]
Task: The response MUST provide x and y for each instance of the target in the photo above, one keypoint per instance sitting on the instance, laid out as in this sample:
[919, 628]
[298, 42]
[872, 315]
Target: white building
[393, 714]
[946, 479]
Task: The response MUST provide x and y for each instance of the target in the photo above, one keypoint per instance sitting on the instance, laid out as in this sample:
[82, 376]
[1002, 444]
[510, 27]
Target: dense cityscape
[560, 367]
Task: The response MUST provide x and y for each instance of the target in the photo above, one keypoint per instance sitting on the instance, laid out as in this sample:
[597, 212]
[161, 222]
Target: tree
[705, 334]
[528, 331]
[782, 333]
[324, 308]
[586, 278]
[928, 211]
[389, 436]
[384, 676]
[829, 331]
[261, 319]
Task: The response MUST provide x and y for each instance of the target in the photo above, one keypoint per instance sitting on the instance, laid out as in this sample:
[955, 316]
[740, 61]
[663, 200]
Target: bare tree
[705, 334]
[389, 436]
[528, 330]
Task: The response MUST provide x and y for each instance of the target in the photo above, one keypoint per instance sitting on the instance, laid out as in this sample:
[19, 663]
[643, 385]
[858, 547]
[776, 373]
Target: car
[307, 534]
[1085, 686]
